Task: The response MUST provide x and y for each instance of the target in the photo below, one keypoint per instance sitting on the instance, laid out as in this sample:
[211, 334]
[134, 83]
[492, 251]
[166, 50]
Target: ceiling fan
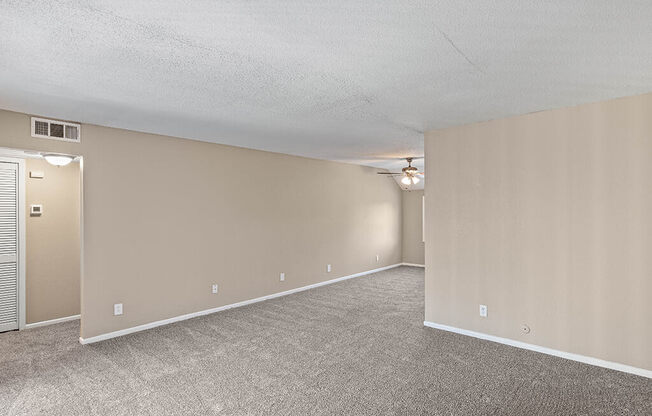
[410, 173]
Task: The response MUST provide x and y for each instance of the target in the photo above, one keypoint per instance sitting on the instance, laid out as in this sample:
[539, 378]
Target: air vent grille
[71, 132]
[41, 128]
[57, 130]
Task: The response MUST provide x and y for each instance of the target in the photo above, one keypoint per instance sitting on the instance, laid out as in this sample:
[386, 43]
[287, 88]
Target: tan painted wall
[164, 218]
[413, 247]
[52, 272]
[547, 219]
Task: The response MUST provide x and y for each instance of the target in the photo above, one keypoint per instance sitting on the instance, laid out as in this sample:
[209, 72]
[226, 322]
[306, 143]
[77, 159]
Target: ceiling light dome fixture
[58, 160]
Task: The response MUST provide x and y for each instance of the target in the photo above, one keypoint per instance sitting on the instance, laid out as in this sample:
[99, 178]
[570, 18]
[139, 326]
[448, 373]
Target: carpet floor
[358, 347]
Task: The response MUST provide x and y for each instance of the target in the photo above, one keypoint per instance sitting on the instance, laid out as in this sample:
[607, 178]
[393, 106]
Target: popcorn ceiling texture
[353, 81]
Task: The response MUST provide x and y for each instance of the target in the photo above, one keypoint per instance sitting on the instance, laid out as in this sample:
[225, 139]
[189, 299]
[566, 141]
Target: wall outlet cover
[483, 311]
[282, 277]
[214, 288]
[117, 309]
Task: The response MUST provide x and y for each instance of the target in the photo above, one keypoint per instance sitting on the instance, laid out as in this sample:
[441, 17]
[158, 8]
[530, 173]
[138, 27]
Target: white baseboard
[52, 321]
[150, 325]
[413, 265]
[568, 355]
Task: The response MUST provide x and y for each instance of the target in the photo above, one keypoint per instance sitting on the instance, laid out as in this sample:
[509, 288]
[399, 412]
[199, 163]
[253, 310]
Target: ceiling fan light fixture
[409, 175]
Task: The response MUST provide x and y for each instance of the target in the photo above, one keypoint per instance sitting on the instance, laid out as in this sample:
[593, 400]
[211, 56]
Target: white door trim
[20, 261]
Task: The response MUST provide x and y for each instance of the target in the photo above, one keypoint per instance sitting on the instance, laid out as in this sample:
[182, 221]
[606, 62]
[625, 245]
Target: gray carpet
[357, 347]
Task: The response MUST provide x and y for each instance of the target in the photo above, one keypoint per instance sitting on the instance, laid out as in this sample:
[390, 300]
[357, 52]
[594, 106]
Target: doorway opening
[40, 240]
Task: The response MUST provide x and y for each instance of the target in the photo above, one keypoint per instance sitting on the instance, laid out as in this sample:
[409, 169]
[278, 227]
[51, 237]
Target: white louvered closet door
[8, 246]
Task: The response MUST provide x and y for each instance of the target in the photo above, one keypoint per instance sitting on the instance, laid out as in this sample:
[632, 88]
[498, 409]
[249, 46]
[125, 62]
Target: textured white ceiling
[357, 81]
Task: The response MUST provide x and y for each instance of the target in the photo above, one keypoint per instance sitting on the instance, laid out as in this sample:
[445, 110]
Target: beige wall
[547, 219]
[413, 247]
[165, 218]
[52, 272]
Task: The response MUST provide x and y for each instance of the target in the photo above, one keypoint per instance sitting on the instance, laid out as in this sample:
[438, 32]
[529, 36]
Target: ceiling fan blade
[388, 173]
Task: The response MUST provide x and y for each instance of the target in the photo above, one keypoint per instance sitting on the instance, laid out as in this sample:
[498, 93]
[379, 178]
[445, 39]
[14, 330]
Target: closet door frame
[20, 261]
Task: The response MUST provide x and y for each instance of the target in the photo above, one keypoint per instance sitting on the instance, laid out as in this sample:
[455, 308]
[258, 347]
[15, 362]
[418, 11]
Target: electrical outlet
[377, 258]
[483, 311]
[117, 309]
[214, 288]
[328, 268]
[282, 277]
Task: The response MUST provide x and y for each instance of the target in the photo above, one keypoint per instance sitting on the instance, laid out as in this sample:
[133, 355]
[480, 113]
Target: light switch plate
[282, 277]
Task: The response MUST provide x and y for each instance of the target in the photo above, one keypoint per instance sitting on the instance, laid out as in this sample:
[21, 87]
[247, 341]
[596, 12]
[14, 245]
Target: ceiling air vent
[57, 130]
